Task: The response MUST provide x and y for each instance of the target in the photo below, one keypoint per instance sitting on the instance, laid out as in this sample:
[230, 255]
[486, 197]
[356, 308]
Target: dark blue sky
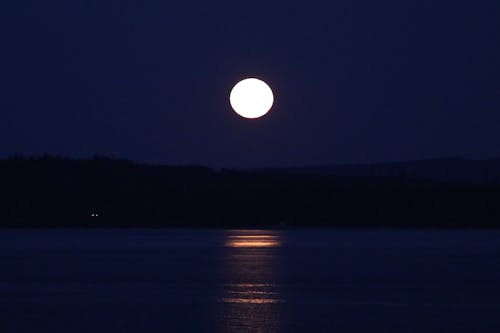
[354, 81]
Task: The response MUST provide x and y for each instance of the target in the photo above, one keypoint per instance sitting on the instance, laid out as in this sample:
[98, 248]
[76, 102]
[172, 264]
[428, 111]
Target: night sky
[354, 80]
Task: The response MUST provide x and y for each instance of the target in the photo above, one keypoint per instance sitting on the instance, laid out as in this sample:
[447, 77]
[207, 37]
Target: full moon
[251, 98]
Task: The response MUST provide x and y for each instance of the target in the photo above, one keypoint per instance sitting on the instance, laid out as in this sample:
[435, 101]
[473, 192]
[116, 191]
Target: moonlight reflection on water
[251, 298]
[253, 240]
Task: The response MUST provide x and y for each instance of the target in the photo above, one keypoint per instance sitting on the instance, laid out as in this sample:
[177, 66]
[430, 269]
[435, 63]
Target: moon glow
[251, 98]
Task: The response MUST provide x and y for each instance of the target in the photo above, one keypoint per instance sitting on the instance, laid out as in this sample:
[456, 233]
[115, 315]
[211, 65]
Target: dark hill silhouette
[456, 170]
[103, 192]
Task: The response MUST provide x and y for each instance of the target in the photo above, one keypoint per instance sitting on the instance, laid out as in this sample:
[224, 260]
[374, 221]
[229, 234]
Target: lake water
[249, 281]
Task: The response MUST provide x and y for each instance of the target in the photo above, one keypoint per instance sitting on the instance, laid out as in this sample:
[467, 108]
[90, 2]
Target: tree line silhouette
[103, 192]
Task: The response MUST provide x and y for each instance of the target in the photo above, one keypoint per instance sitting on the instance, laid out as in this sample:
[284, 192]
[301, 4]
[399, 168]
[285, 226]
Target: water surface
[249, 281]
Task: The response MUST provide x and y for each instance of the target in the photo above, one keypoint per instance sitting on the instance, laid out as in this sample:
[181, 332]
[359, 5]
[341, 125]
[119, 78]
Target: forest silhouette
[103, 192]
